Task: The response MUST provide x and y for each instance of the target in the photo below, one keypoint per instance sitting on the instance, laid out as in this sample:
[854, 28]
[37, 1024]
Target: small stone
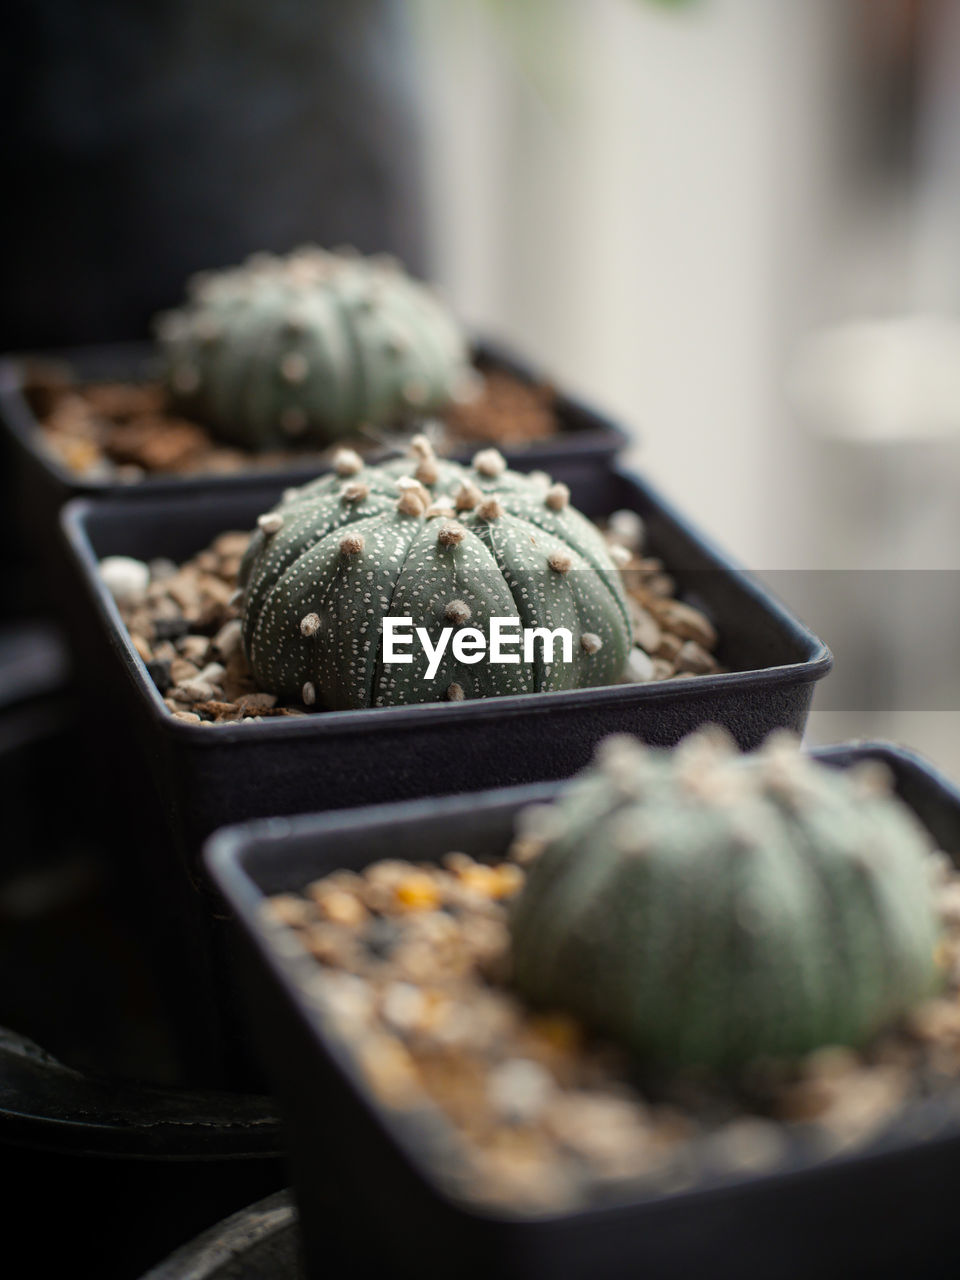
[126, 579]
[270, 522]
[693, 658]
[686, 622]
[402, 1006]
[189, 717]
[182, 669]
[213, 673]
[627, 528]
[229, 639]
[640, 667]
[171, 628]
[620, 555]
[287, 909]
[194, 648]
[254, 703]
[646, 629]
[159, 673]
[519, 1089]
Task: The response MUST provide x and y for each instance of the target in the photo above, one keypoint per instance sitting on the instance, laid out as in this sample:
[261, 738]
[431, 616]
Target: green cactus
[707, 909]
[308, 348]
[443, 544]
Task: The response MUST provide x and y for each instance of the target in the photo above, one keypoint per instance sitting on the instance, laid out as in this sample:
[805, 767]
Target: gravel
[413, 966]
[184, 623]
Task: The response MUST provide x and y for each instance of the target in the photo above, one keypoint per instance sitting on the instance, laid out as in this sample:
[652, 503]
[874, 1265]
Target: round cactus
[707, 909]
[445, 545]
[310, 347]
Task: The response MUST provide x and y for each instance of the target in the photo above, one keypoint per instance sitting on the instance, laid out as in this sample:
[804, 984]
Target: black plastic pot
[887, 1211]
[208, 777]
[260, 1242]
[42, 484]
[212, 776]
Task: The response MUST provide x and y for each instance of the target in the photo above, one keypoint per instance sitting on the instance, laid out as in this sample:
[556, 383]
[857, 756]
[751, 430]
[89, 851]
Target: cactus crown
[307, 348]
[706, 908]
[446, 545]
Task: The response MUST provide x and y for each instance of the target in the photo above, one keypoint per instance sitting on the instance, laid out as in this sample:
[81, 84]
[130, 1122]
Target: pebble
[627, 528]
[518, 1090]
[546, 1113]
[229, 639]
[640, 667]
[126, 579]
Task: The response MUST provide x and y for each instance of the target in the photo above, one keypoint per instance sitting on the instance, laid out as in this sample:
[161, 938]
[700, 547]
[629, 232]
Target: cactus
[443, 544]
[308, 348]
[704, 908]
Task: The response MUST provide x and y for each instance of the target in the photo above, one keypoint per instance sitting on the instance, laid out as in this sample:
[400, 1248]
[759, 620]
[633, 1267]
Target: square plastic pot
[211, 776]
[886, 1211]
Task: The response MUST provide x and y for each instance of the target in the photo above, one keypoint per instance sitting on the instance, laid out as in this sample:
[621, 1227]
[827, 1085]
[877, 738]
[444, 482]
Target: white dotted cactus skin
[307, 348]
[356, 546]
[707, 909]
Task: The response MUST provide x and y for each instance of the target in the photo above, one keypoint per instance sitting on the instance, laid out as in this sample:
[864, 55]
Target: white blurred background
[735, 224]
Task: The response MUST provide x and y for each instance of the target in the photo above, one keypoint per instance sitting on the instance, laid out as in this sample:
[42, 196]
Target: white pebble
[640, 667]
[626, 527]
[126, 579]
[402, 1006]
[518, 1089]
[228, 639]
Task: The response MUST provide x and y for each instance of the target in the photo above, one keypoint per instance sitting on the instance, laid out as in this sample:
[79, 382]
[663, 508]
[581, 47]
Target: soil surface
[413, 971]
[185, 624]
[125, 431]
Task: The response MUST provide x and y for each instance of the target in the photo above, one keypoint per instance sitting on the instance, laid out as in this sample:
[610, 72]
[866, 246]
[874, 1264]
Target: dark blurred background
[143, 141]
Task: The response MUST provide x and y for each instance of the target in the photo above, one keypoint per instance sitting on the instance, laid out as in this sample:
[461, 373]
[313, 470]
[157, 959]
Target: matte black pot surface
[40, 484]
[889, 1211]
[260, 1242]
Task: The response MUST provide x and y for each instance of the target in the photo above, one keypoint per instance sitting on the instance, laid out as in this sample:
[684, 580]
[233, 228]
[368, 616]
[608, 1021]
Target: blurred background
[737, 225]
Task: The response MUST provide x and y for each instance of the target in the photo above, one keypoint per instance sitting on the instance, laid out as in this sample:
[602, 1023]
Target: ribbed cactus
[310, 347]
[442, 544]
[705, 908]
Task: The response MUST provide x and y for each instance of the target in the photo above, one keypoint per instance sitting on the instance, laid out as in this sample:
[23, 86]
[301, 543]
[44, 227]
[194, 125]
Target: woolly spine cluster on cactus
[309, 348]
[442, 544]
[705, 908]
